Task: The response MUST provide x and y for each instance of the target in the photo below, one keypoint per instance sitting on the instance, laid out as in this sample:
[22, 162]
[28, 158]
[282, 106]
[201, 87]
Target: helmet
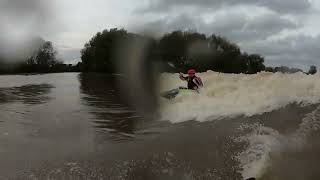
[191, 72]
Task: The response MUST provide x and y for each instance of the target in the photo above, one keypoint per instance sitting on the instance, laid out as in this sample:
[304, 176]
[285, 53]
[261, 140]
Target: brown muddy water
[78, 126]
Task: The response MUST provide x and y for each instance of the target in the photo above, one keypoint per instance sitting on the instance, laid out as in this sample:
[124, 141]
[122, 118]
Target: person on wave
[194, 82]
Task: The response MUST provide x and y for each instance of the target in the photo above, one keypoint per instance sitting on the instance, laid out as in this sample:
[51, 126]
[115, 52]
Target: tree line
[284, 69]
[176, 51]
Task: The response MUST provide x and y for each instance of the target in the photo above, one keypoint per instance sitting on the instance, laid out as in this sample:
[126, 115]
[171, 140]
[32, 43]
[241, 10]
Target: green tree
[255, 63]
[99, 52]
[42, 60]
[176, 51]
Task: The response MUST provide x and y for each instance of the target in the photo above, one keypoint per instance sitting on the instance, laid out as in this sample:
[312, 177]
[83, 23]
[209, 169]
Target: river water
[79, 126]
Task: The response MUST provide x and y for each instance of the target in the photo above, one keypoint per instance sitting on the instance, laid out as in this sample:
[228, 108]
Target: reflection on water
[112, 117]
[27, 94]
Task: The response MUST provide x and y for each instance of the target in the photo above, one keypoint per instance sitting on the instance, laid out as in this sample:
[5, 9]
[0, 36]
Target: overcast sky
[285, 32]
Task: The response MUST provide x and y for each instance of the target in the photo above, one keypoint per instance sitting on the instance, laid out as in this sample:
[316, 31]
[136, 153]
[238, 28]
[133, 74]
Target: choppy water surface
[78, 126]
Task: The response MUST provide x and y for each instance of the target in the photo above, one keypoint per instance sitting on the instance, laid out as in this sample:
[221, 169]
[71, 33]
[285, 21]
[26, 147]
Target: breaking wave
[228, 95]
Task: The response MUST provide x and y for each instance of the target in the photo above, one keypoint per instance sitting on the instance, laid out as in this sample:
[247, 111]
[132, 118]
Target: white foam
[228, 95]
[261, 141]
[310, 123]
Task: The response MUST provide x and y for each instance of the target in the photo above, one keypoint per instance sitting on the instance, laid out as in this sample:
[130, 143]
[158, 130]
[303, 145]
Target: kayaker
[194, 82]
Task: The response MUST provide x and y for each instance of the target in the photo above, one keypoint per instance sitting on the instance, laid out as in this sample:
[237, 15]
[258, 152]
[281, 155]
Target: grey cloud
[21, 21]
[21, 9]
[69, 55]
[280, 6]
[287, 6]
[236, 27]
[252, 34]
[159, 27]
[260, 27]
[303, 43]
[30, 15]
[300, 50]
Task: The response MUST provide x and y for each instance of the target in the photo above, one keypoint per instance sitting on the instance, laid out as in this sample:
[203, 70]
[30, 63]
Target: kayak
[174, 92]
